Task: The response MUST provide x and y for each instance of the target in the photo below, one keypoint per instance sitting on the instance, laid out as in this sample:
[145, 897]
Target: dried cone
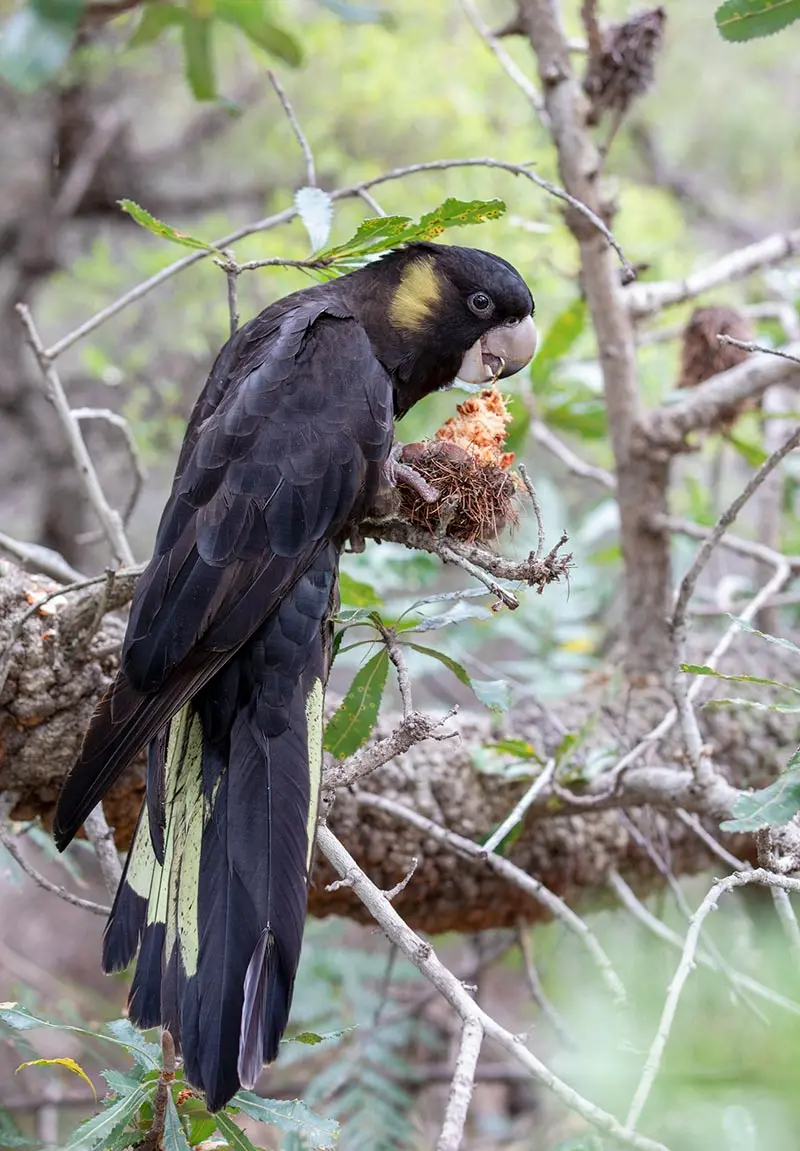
[703, 356]
[625, 68]
[468, 466]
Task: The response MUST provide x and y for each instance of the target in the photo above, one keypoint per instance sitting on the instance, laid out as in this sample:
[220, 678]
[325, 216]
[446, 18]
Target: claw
[397, 472]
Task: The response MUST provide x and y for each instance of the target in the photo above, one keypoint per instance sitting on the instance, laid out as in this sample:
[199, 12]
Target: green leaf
[493, 693]
[357, 593]
[769, 806]
[752, 452]
[250, 18]
[235, 1136]
[703, 669]
[385, 232]
[156, 18]
[453, 665]
[198, 62]
[517, 747]
[103, 1128]
[165, 231]
[778, 640]
[559, 339]
[351, 724]
[739, 20]
[146, 1054]
[582, 413]
[119, 1083]
[10, 1134]
[18, 1018]
[36, 41]
[289, 1115]
[174, 1136]
[315, 209]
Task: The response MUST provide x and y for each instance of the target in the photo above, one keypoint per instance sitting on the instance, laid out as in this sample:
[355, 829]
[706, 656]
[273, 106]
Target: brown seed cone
[703, 356]
[475, 502]
[625, 68]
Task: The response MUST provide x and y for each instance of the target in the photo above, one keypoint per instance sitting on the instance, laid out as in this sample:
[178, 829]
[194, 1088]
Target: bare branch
[645, 298]
[751, 346]
[36, 558]
[685, 966]
[542, 781]
[514, 73]
[509, 871]
[461, 1086]
[311, 175]
[705, 405]
[422, 955]
[414, 729]
[9, 842]
[109, 518]
[542, 434]
[137, 467]
[101, 838]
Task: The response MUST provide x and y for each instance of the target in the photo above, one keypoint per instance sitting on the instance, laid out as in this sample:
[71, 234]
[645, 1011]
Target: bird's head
[435, 312]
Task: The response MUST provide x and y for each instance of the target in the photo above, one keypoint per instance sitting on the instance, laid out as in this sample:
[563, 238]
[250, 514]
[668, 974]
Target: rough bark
[57, 671]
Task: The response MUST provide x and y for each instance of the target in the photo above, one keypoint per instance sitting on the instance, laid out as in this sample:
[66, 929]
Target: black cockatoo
[227, 649]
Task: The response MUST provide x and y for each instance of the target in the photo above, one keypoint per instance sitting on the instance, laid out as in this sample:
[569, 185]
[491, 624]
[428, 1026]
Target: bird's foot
[396, 472]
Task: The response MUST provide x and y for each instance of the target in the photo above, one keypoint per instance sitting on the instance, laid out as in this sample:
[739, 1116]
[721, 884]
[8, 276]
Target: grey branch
[645, 298]
[461, 1087]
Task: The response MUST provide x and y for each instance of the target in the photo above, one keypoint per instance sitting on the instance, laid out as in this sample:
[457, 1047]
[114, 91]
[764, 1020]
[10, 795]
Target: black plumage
[228, 642]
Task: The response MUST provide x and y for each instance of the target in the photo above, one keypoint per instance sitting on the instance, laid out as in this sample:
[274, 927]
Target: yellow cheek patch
[417, 296]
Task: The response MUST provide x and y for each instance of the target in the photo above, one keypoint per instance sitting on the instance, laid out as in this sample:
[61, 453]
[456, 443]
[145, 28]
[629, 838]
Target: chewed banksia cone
[703, 356]
[468, 466]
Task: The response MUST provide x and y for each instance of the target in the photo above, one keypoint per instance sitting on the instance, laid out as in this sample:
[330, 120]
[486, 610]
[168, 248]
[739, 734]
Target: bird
[228, 642]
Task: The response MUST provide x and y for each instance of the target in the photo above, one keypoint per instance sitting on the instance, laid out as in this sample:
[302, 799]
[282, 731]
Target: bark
[57, 668]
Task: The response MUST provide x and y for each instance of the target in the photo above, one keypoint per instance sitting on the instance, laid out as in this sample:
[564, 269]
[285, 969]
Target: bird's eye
[480, 303]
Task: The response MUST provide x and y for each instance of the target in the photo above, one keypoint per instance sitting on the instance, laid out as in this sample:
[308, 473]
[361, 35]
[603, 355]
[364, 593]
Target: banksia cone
[703, 356]
[467, 465]
[625, 67]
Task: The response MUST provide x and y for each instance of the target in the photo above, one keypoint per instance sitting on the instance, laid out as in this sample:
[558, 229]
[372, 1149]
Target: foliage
[128, 1106]
[36, 41]
[748, 19]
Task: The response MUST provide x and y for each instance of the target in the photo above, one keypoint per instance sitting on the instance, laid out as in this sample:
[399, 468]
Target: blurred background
[706, 161]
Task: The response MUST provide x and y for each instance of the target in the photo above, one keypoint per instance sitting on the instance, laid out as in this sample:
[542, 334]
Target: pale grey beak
[500, 352]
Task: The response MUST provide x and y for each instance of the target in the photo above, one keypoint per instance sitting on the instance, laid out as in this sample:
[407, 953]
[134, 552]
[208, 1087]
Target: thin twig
[422, 955]
[413, 730]
[542, 434]
[462, 1087]
[535, 986]
[9, 843]
[506, 597]
[311, 175]
[509, 871]
[393, 892]
[515, 816]
[101, 838]
[401, 667]
[537, 508]
[36, 558]
[154, 1139]
[289, 214]
[751, 346]
[108, 516]
[742, 982]
[371, 202]
[232, 270]
[529, 90]
[121, 424]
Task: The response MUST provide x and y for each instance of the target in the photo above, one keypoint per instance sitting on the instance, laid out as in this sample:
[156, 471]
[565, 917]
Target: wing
[283, 451]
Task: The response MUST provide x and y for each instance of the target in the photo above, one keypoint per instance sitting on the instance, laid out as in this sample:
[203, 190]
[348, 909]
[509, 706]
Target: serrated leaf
[386, 232]
[64, 1061]
[165, 231]
[174, 1138]
[704, 669]
[198, 63]
[119, 1083]
[289, 1115]
[315, 209]
[769, 806]
[145, 1053]
[357, 593]
[353, 721]
[559, 339]
[20, 1019]
[156, 18]
[249, 16]
[103, 1128]
[778, 640]
[36, 42]
[739, 20]
[236, 1138]
[753, 704]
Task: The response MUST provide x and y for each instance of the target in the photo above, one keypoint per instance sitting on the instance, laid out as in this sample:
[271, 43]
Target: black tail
[218, 920]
